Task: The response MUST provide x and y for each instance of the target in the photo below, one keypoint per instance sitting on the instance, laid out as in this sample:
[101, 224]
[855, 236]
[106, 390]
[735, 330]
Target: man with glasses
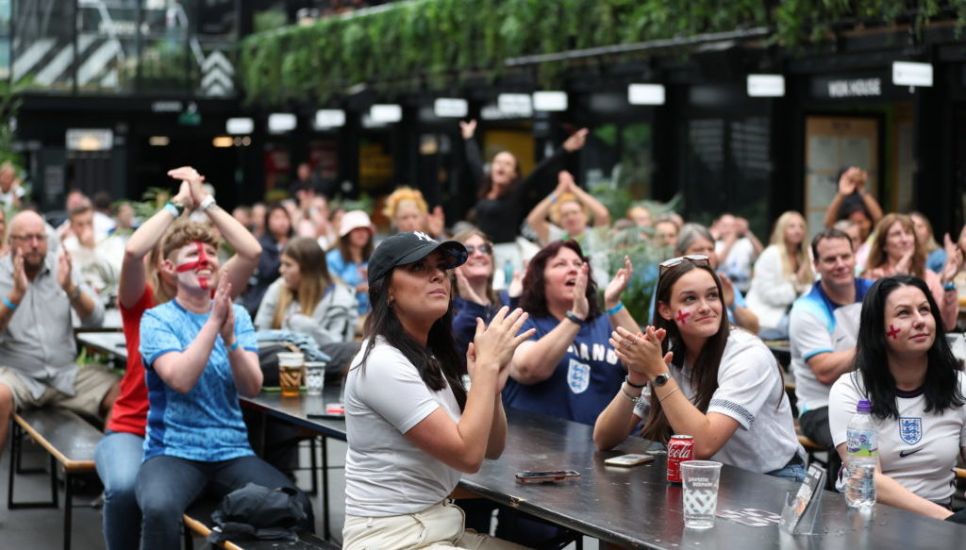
[38, 290]
[822, 328]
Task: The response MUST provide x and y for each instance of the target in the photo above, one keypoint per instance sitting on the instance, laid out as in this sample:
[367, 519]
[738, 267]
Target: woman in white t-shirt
[904, 367]
[704, 380]
[412, 426]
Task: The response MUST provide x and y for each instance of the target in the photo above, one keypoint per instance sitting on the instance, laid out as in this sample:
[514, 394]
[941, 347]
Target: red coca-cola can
[679, 449]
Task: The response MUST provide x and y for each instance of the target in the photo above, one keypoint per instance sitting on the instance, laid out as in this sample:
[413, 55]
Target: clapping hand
[581, 307]
[466, 290]
[617, 285]
[493, 345]
[64, 267]
[641, 352]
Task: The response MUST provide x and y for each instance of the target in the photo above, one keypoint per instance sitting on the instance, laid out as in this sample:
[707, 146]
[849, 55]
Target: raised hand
[954, 262]
[221, 304]
[904, 265]
[494, 344]
[64, 270]
[436, 221]
[228, 326]
[728, 289]
[468, 128]
[184, 197]
[515, 289]
[466, 290]
[617, 285]
[576, 140]
[581, 307]
[20, 281]
[194, 179]
[851, 180]
[564, 182]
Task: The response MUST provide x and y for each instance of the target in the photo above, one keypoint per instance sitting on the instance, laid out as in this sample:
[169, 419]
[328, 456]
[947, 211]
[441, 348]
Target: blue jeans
[166, 486]
[792, 471]
[118, 459]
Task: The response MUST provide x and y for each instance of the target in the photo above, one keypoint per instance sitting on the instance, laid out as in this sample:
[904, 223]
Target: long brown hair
[877, 253]
[314, 278]
[464, 236]
[704, 372]
[534, 298]
[801, 255]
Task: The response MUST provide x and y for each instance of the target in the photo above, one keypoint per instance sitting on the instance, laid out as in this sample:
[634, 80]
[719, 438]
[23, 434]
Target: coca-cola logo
[679, 452]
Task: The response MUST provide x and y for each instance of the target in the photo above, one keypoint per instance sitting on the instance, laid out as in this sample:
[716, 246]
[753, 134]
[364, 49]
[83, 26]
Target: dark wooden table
[637, 508]
[111, 343]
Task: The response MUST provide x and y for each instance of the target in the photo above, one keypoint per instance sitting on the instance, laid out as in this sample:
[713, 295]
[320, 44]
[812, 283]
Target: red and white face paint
[696, 306]
[910, 326]
[202, 266]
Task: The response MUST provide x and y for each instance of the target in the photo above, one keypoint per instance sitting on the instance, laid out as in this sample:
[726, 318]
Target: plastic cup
[290, 373]
[700, 479]
[314, 377]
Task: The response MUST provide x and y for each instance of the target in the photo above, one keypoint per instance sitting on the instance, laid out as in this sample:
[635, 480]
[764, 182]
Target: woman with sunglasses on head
[905, 369]
[703, 379]
[473, 291]
[412, 426]
[568, 369]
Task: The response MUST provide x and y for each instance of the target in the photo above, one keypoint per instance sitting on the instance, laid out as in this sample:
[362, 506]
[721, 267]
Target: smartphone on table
[628, 460]
[545, 476]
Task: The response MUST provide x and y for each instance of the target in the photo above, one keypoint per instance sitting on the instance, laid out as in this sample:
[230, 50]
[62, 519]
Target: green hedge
[439, 43]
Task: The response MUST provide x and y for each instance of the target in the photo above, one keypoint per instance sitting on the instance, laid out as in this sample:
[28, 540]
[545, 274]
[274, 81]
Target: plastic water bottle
[863, 454]
[507, 273]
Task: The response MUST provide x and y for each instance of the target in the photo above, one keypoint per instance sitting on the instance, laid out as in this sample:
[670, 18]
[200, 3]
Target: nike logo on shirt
[906, 452]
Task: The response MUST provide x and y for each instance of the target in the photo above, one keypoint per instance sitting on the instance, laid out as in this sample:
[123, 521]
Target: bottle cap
[864, 406]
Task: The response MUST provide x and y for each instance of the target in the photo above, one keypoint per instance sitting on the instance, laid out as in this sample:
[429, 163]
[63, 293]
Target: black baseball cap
[406, 248]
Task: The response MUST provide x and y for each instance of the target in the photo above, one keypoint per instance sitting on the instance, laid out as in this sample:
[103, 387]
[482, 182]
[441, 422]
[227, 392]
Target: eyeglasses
[699, 260]
[483, 248]
[29, 237]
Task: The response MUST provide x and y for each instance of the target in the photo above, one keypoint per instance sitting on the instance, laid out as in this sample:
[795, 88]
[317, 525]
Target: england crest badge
[910, 429]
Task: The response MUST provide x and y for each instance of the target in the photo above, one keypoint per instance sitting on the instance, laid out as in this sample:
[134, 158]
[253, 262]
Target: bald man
[38, 289]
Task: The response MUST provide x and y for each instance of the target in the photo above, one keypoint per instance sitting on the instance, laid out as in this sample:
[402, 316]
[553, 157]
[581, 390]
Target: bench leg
[68, 507]
[325, 488]
[16, 448]
[313, 466]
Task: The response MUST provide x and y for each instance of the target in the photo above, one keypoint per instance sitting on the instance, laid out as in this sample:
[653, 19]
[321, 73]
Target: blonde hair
[402, 194]
[801, 255]
[313, 278]
[877, 252]
[563, 199]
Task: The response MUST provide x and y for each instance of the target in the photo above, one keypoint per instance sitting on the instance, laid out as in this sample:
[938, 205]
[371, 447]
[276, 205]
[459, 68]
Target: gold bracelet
[676, 388]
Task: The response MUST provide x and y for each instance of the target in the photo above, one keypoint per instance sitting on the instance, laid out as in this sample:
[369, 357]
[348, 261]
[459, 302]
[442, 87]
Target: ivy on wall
[438, 44]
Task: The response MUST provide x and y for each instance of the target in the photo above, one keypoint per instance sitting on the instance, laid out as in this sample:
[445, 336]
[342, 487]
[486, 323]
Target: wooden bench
[70, 442]
[197, 521]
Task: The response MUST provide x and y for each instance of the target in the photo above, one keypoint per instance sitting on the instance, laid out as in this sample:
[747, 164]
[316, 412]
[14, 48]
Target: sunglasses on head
[483, 248]
[699, 260]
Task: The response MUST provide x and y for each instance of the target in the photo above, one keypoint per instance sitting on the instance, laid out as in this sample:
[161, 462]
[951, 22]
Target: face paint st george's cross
[893, 332]
[201, 263]
[682, 317]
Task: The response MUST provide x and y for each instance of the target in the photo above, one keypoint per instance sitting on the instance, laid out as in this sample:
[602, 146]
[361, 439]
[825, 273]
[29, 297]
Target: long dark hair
[704, 373]
[437, 362]
[487, 183]
[534, 298]
[941, 386]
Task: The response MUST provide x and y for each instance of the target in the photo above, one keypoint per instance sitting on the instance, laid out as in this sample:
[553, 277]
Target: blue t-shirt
[206, 423]
[349, 273]
[587, 378]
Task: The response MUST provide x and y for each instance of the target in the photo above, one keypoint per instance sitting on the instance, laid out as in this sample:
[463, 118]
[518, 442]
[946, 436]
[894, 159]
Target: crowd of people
[437, 327]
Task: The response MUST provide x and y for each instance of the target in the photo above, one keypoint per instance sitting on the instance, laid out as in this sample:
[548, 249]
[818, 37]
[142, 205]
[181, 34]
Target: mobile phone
[332, 410]
[549, 476]
[626, 461]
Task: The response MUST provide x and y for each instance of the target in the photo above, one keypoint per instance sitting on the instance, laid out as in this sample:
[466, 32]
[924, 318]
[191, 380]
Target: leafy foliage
[439, 44]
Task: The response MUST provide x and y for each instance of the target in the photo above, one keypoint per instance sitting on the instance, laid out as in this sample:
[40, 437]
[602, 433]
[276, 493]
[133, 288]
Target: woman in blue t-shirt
[349, 260]
[568, 369]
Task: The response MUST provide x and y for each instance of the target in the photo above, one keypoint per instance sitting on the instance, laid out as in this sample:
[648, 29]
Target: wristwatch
[573, 317]
[661, 379]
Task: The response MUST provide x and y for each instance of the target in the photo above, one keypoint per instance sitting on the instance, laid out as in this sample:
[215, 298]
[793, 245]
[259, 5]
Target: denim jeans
[118, 459]
[166, 486]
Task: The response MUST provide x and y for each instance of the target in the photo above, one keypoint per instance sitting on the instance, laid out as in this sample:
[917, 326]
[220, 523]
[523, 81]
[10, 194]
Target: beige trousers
[438, 527]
